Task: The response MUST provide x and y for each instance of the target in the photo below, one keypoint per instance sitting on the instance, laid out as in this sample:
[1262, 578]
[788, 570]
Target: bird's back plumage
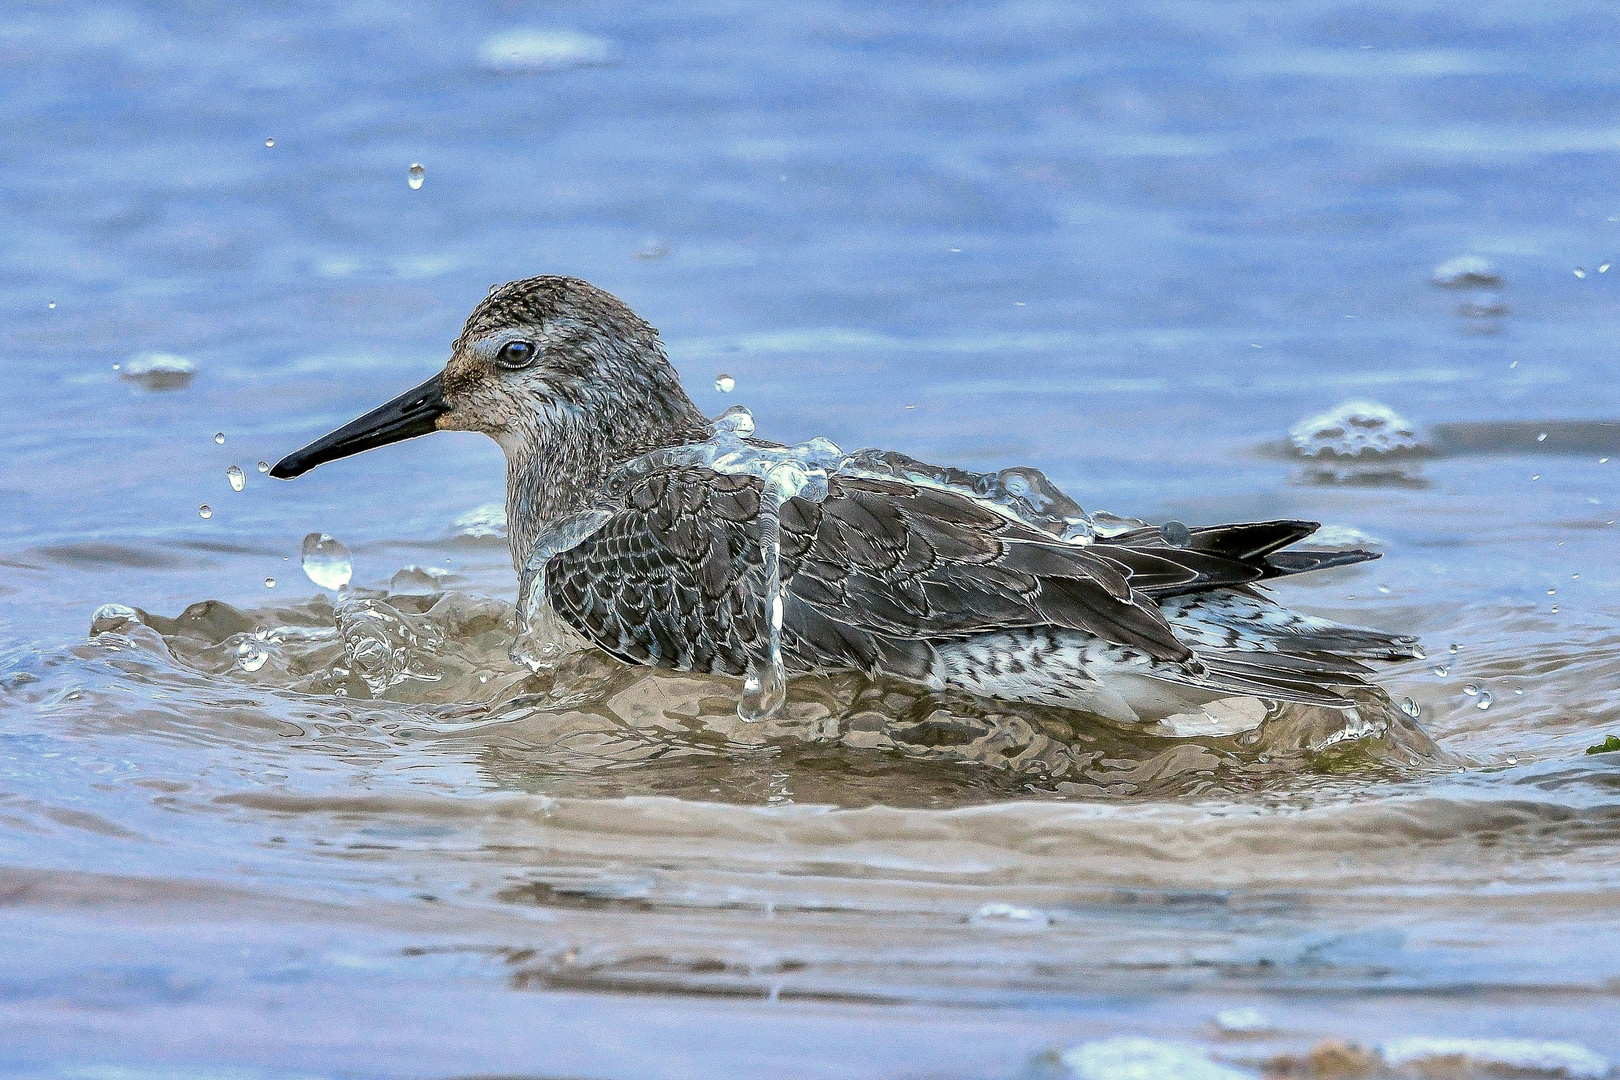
[897, 579]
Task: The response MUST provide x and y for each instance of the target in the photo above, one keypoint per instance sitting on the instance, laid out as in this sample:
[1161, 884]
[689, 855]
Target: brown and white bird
[893, 575]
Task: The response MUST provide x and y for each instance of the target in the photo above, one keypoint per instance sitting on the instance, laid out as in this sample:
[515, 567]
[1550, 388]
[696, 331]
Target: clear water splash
[326, 561]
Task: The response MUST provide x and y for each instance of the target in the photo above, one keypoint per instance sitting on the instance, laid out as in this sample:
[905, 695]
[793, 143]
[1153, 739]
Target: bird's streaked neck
[557, 467]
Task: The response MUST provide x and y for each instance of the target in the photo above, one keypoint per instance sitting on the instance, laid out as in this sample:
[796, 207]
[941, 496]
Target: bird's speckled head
[567, 379]
[546, 354]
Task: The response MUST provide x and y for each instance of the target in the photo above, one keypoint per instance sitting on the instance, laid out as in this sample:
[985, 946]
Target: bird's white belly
[1072, 670]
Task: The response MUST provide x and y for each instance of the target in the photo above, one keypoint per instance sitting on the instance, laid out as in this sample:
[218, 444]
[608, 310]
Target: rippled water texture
[1197, 262]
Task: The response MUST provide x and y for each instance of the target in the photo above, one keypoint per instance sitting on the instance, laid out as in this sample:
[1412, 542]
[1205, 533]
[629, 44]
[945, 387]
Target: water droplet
[1441, 670]
[1175, 534]
[1472, 689]
[1383, 589]
[1411, 708]
[51, 305]
[219, 437]
[1536, 476]
[1542, 437]
[1419, 653]
[725, 383]
[205, 511]
[1604, 269]
[1552, 592]
[1580, 272]
[652, 250]
[264, 466]
[237, 478]
[1454, 647]
[1484, 701]
[269, 142]
[1555, 609]
[326, 561]
[414, 176]
[269, 582]
[1513, 761]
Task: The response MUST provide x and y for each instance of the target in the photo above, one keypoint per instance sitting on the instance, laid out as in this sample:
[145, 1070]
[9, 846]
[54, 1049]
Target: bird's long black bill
[413, 413]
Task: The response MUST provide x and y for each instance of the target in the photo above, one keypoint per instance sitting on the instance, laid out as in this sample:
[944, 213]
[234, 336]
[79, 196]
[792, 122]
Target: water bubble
[1472, 689]
[1454, 647]
[1580, 271]
[725, 383]
[1484, 701]
[237, 478]
[264, 466]
[250, 657]
[1552, 592]
[51, 305]
[205, 511]
[1441, 670]
[1518, 691]
[219, 437]
[269, 142]
[269, 582]
[413, 176]
[1175, 534]
[1512, 761]
[326, 561]
[1555, 609]
[1411, 708]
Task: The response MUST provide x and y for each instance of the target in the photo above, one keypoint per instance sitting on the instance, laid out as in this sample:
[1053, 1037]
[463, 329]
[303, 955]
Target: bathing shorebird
[894, 575]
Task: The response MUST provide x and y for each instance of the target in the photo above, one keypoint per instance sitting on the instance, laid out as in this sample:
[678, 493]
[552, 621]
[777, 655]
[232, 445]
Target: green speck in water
[1607, 746]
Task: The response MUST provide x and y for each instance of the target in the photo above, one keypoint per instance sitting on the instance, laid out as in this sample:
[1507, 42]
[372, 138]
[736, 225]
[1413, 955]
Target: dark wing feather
[871, 575]
[880, 570]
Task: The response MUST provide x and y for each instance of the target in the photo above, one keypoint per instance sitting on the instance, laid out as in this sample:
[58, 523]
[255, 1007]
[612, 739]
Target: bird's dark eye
[515, 354]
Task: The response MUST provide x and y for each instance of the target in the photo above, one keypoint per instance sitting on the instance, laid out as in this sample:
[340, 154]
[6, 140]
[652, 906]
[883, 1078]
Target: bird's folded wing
[871, 574]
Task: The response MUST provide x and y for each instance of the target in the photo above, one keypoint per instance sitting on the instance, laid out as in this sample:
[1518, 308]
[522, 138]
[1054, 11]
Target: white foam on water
[1356, 429]
[1010, 918]
[546, 51]
[481, 522]
[1244, 1021]
[1467, 272]
[1134, 1057]
[158, 371]
[1534, 1056]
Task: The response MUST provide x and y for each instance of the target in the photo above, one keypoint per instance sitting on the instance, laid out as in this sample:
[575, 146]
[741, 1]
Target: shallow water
[1131, 248]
